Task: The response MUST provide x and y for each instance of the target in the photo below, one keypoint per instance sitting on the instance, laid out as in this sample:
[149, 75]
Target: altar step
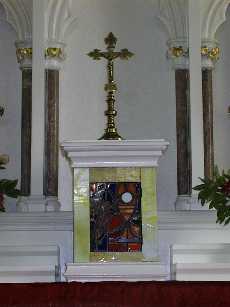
[200, 262]
[30, 263]
[115, 271]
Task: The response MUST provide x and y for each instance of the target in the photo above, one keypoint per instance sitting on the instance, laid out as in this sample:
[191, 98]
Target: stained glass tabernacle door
[115, 214]
[115, 217]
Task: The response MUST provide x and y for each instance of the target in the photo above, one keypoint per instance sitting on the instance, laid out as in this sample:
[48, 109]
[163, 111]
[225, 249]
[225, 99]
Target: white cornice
[125, 153]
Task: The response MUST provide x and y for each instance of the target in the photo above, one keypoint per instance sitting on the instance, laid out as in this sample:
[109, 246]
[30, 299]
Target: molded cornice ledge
[127, 153]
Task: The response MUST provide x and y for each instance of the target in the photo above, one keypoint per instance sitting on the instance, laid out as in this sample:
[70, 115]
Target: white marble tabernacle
[115, 161]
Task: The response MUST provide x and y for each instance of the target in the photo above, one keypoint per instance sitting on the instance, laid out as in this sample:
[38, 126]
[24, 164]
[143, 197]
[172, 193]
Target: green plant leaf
[199, 187]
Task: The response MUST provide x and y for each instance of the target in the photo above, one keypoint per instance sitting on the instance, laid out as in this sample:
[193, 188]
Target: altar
[115, 210]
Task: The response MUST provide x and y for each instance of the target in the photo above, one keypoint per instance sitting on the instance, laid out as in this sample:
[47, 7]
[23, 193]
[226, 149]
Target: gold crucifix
[110, 55]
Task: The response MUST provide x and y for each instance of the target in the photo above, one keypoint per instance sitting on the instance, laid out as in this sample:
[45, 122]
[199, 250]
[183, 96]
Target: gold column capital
[178, 53]
[54, 55]
[210, 53]
[24, 53]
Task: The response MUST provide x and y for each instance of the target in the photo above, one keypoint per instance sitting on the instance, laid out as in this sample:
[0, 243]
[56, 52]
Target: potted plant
[7, 187]
[216, 193]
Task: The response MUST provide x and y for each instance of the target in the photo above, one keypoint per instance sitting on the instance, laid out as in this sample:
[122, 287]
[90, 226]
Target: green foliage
[8, 188]
[216, 194]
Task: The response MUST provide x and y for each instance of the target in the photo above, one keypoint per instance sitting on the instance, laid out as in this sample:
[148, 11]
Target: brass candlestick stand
[110, 55]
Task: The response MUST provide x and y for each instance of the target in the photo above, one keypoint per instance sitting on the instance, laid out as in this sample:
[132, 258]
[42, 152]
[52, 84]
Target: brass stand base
[108, 135]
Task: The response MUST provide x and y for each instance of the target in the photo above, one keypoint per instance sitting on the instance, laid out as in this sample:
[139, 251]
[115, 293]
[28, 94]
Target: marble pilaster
[210, 54]
[183, 132]
[51, 133]
[178, 54]
[54, 56]
[24, 56]
[207, 93]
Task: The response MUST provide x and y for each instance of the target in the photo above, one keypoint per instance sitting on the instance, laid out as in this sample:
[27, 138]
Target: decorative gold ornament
[211, 53]
[178, 52]
[110, 55]
[54, 52]
[23, 54]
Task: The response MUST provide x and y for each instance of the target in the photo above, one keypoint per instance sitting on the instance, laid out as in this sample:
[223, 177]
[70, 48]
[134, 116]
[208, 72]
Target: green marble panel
[149, 214]
[81, 215]
[115, 174]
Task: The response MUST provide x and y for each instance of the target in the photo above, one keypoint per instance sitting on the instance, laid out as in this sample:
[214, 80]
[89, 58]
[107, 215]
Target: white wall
[146, 100]
[221, 98]
[10, 99]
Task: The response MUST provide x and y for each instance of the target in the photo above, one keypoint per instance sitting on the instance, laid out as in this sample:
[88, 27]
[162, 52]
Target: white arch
[59, 20]
[174, 16]
[214, 15]
[17, 14]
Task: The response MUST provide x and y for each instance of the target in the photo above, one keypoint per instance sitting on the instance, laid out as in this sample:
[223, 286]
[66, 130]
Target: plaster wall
[10, 99]
[221, 98]
[145, 100]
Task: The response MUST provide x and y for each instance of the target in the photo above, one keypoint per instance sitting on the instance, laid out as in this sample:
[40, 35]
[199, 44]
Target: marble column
[54, 56]
[24, 56]
[26, 131]
[178, 54]
[210, 54]
[208, 122]
[184, 169]
[51, 133]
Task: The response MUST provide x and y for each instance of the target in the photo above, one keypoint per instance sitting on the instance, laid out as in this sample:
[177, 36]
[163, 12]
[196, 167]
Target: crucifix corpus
[110, 55]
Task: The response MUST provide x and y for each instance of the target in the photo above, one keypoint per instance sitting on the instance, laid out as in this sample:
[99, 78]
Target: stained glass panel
[115, 217]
